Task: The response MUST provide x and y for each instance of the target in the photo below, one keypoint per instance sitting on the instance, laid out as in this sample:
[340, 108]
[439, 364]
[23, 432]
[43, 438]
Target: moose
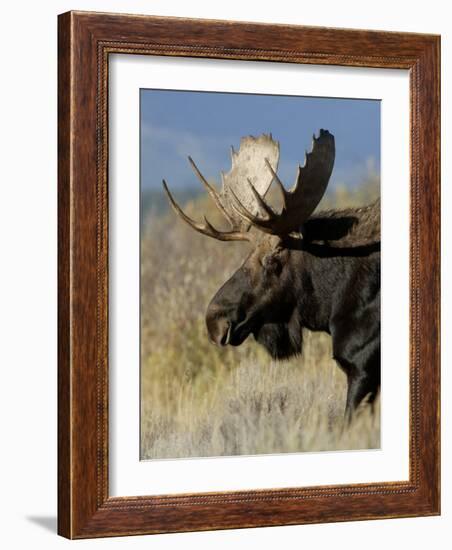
[318, 271]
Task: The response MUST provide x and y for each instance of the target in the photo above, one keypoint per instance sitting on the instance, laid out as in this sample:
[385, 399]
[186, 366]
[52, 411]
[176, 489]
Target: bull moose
[317, 271]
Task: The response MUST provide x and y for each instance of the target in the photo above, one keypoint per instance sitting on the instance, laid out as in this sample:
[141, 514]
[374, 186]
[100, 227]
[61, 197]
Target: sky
[204, 125]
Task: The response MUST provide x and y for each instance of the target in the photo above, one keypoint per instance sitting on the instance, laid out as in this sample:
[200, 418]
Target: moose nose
[226, 336]
[218, 327]
[219, 332]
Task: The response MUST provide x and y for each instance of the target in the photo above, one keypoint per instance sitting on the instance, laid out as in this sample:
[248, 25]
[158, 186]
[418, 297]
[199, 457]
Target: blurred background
[197, 399]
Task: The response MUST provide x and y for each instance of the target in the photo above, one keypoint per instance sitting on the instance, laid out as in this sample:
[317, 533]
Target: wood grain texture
[64, 295]
[85, 42]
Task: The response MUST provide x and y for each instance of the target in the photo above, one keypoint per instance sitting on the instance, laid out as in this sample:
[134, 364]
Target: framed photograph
[248, 275]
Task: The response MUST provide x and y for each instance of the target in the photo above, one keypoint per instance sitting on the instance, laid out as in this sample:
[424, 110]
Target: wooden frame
[85, 42]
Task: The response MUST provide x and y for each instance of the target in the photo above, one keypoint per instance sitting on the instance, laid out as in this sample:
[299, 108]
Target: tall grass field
[198, 400]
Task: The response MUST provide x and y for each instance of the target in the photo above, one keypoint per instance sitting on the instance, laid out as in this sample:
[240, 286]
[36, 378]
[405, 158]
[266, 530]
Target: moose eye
[272, 264]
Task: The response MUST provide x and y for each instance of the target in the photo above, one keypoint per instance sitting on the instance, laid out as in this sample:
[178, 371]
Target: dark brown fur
[351, 227]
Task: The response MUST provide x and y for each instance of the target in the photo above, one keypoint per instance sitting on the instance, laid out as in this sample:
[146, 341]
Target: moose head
[263, 296]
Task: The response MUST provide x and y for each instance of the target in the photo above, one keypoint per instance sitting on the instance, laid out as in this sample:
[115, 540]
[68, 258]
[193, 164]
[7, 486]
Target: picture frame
[85, 42]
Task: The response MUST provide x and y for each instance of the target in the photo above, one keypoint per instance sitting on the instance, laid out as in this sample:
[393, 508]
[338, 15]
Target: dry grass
[199, 400]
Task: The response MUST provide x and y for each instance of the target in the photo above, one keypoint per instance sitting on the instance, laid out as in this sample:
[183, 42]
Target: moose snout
[218, 327]
[227, 311]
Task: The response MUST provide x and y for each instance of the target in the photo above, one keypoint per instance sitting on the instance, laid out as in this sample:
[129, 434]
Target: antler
[301, 201]
[248, 164]
[207, 228]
